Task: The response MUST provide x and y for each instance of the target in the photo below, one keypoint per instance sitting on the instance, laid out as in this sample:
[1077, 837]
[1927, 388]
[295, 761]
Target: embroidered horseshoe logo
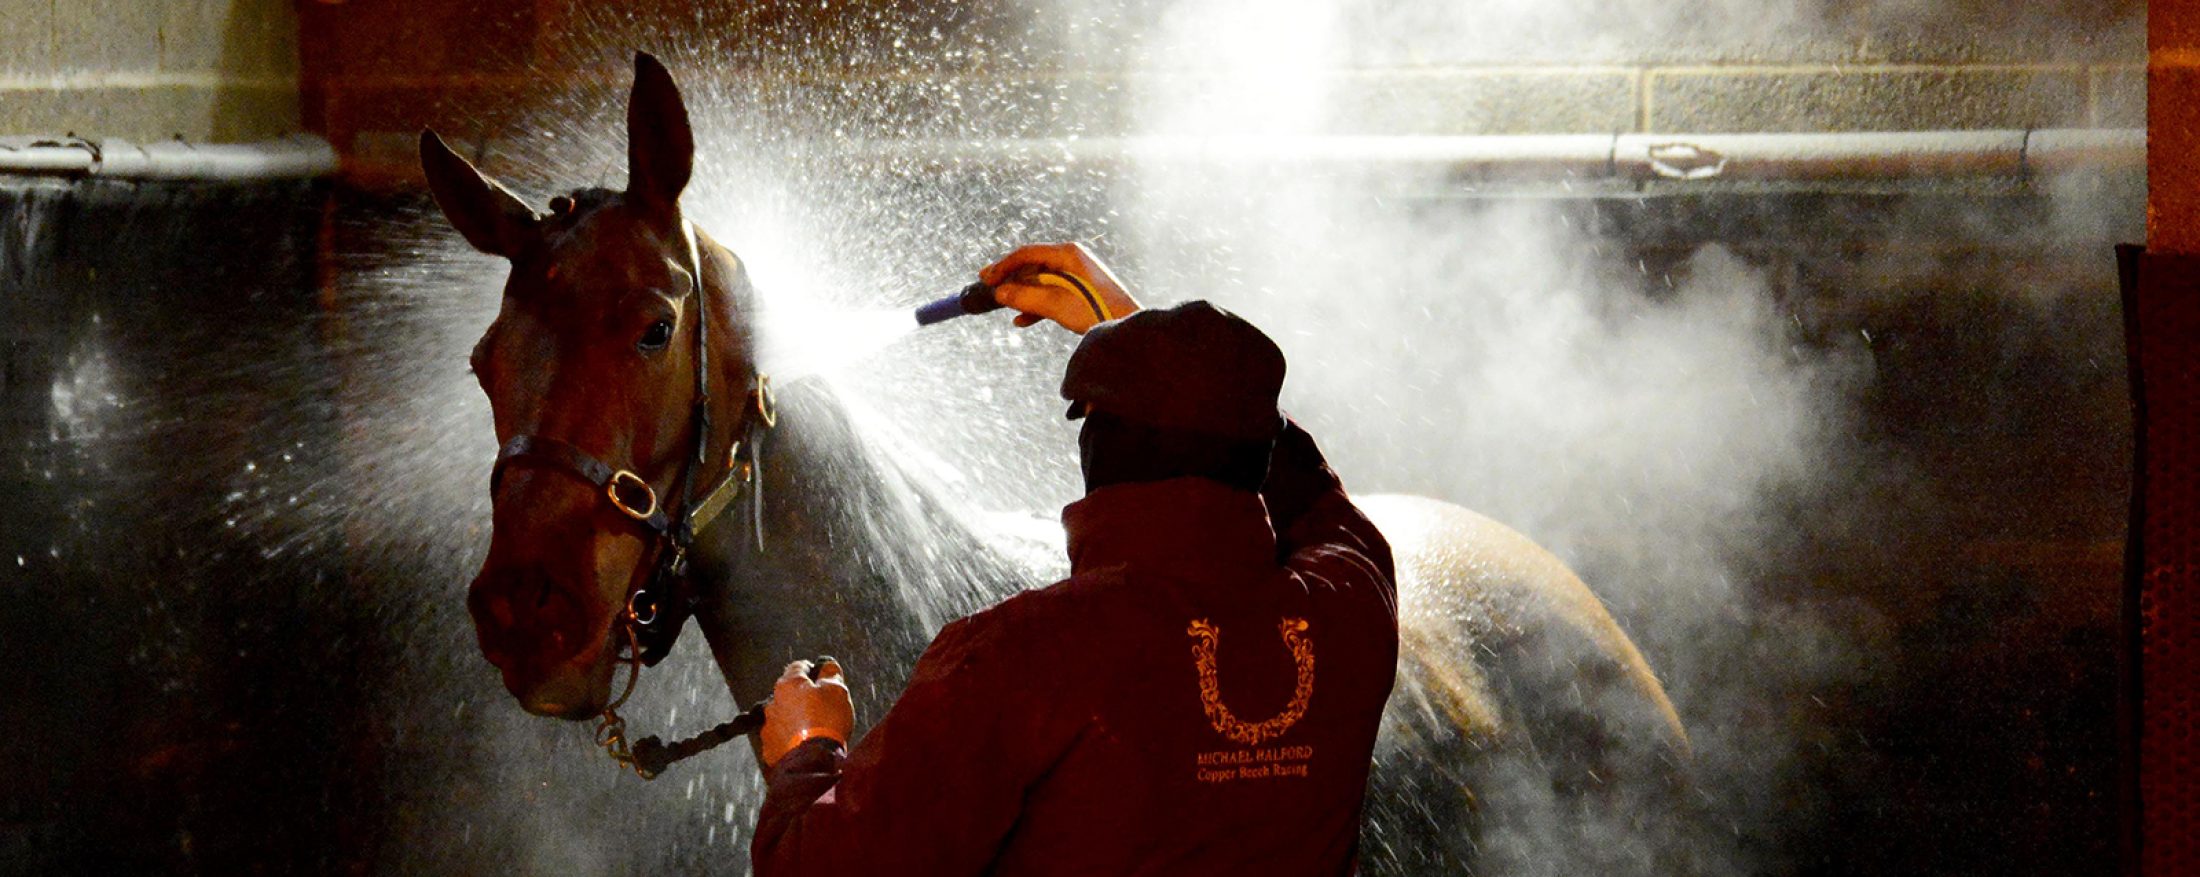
[1204, 638]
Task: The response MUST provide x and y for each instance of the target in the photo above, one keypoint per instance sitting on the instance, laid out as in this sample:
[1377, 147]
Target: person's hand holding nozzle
[808, 702]
[1061, 282]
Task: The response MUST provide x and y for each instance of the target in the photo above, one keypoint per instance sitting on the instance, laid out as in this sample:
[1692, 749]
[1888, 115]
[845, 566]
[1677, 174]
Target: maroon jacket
[1182, 704]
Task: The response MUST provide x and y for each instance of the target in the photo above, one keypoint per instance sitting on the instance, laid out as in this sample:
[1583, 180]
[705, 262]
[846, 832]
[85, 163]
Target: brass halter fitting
[624, 480]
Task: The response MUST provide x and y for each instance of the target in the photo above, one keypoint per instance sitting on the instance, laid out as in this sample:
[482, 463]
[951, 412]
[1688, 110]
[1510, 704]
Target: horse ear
[494, 220]
[660, 147]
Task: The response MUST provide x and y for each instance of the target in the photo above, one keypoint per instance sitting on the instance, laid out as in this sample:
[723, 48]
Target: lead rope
[649, 756]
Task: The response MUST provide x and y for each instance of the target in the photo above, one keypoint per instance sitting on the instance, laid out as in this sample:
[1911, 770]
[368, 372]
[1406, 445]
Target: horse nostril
[524, 616]
[496, 623]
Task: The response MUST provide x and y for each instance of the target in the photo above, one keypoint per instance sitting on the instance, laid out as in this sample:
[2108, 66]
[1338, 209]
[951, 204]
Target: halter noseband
[651, 621]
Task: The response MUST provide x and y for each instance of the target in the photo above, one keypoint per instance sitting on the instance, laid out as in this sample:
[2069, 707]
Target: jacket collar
[1194, 527]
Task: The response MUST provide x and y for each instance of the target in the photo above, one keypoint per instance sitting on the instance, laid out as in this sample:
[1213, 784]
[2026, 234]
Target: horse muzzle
[575, 695]
[553, 650]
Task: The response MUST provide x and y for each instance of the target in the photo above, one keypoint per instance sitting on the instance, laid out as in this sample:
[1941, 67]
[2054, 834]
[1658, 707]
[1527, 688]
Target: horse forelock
[585, 224]
[579, 204]
[586, 232]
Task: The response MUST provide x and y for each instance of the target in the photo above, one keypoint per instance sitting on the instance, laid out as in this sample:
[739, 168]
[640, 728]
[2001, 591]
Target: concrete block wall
[378, 70]
[228, 70]
[144, 70]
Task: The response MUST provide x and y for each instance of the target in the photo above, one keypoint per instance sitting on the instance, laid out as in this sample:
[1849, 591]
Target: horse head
[596, 353]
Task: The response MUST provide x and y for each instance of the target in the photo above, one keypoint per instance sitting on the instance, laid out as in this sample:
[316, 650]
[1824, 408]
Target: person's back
[1222, 709]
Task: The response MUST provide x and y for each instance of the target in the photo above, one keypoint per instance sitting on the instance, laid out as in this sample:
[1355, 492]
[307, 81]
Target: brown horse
[1516, 688]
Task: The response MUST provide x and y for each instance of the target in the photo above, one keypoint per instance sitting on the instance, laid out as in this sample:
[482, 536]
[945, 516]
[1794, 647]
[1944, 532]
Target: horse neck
[845, 548]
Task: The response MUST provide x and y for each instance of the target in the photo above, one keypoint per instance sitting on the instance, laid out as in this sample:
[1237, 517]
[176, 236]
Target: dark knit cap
[1194, 367]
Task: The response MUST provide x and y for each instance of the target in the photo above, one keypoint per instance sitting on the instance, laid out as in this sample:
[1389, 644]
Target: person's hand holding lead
[1091, 295]
[804, 709]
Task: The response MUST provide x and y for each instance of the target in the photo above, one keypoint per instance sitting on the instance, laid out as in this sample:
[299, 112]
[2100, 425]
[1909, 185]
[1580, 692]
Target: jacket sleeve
[1319, 532]
[932, 789]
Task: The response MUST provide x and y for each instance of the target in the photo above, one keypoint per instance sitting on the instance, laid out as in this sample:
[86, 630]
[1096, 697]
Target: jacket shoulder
[1040, 617]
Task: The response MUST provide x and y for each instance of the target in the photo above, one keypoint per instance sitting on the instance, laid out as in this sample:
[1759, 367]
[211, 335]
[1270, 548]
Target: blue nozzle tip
[977, 298]
[940, 311]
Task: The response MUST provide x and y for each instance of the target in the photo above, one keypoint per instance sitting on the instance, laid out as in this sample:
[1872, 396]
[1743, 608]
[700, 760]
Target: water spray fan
[978, 298]
[801, 343]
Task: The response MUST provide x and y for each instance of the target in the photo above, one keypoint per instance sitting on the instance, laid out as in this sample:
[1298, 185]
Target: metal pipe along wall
[295, 157]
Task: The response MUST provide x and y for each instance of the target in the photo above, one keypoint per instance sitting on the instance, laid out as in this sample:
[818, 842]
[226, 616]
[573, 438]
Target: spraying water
[800, 342]
[261, 520]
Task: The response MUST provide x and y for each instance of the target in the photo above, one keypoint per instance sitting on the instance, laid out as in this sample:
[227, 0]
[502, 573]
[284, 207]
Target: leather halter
[657, 605]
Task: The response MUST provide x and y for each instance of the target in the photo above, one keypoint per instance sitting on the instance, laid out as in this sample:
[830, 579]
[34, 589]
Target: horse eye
[655, 337]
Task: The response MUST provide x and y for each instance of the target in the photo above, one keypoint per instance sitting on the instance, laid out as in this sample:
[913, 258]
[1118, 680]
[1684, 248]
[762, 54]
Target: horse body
[1526, 735]
[1517, 693]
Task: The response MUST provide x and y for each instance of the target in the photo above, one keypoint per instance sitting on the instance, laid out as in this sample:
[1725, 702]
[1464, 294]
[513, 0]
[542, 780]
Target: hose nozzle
[977, 298]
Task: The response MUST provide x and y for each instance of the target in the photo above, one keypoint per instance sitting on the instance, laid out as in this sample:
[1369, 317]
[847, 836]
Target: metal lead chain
[610, 728]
